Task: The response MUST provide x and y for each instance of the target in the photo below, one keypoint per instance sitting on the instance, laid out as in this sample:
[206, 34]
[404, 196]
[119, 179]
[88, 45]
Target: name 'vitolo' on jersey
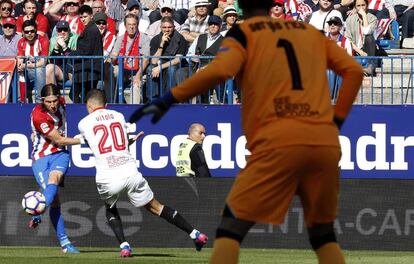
[42, 123]
[106, 133]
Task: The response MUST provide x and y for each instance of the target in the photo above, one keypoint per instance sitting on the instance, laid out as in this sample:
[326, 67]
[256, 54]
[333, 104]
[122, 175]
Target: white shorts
[135, 187]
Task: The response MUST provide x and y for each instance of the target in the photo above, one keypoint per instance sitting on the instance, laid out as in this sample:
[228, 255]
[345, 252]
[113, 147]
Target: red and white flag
[6, 75]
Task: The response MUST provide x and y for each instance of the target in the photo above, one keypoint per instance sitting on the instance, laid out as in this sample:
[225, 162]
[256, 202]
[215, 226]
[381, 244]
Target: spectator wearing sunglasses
[6, 10]
[335, 29]
[9, 39]
[30, 12]
[278, 11]
[98, 6]
[108, 38]
[155, 28]
[70, 14]
[30, 66]
[61, 44]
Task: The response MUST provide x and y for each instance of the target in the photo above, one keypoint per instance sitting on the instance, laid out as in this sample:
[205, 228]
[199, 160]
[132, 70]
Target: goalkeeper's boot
[200, 240]
[126, 251]
[35, 221]
[69, 248]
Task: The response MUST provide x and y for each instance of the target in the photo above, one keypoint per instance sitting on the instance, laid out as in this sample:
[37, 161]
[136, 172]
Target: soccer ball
[34, 203]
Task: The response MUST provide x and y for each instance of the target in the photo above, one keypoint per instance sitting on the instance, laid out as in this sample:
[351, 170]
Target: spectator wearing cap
[61, 44]
[6, 10]
[108, 38]
[278, 11]
[207, 45]
[9, 39]
[30, 12]
[335, 29]
[87, 72]
[319, 18]
[197, 24]
[70, 14]
[135, 7]
[98, 6]
[155, 28]
[230, 17]
[360, 28]
[181, 8]
[30, 67]
[162, 72]
[132, 43]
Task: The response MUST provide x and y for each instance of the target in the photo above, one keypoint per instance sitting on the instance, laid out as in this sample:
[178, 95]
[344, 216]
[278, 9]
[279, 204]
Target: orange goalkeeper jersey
[281, 67]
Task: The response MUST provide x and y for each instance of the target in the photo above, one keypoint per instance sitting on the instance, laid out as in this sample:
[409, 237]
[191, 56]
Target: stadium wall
[373, 215]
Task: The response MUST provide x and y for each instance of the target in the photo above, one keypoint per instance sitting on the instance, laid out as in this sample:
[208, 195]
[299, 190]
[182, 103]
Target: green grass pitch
[46, 255]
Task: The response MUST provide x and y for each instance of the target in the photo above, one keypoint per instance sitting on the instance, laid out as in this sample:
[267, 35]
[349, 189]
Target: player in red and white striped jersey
[50, 158]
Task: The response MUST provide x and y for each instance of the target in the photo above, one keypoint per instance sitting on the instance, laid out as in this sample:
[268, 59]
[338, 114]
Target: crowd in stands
[166, 28]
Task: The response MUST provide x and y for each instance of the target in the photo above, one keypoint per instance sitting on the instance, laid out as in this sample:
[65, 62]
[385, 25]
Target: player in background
[290, 126]
[116, 171]
[50, 157]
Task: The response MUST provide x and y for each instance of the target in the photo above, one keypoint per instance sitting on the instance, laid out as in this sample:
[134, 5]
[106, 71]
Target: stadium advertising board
[377, 141]
[374, 214]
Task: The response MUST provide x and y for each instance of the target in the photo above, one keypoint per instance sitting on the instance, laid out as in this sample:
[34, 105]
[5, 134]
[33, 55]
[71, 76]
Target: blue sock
[50, 193]
[59, 225]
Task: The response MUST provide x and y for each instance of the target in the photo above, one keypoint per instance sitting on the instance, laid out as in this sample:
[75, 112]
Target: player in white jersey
[106, 133]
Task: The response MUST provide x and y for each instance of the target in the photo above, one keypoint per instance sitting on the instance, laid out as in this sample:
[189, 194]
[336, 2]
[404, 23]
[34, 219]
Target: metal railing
[390, 83]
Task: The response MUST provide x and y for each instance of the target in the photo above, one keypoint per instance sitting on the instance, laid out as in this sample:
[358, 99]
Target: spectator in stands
[377, 8]
[168, 43]
[70, 14]
[132, 43]
[108, 38]
[9, 39]
[181, 9]
[360, 29]
[30, 12]
[335, 29]
[31, 68]
[403, 12]
[135, 7]
[230, 17]
[191, 161]
[196, 25]
[319, 18]
[87, 71]
[222, 5]
[207, 44]
[278, 11]
[99, 7]
[117, 11]
[155, 28]
[61, 44]
[6, 10]
[19, 5]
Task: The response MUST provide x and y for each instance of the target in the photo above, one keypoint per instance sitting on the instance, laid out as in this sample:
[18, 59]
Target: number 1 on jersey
[293, 63]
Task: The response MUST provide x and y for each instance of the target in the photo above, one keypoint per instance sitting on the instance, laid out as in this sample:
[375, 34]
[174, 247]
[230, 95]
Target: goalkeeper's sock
[330, 253]
[58, 223]
[172, 216]
[50, 193]
[225, 250]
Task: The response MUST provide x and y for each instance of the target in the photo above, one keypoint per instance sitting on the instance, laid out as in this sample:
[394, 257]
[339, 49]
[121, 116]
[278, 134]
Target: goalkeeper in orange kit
[289, 123]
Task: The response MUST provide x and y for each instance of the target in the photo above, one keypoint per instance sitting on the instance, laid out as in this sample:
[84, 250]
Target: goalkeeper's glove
[157, 108]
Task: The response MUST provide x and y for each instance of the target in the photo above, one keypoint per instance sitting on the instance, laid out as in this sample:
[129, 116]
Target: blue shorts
[55, 162]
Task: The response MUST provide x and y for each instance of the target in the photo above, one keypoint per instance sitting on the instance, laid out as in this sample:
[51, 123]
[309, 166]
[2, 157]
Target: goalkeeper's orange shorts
[264, 189]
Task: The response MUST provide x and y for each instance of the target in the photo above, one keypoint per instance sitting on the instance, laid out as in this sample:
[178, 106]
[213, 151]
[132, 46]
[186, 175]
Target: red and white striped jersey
[108, 42]
[40, 47]
[376, 4]
[75, 24]
[43, 123]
